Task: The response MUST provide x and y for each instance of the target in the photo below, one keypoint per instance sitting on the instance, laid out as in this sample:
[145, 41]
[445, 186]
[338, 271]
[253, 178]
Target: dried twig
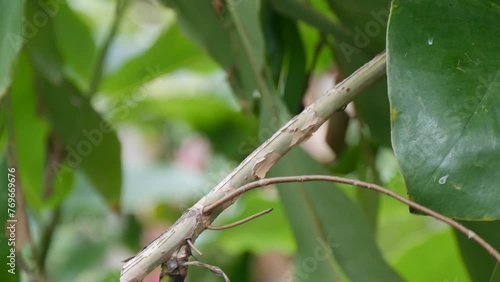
[308, 178]
[239, 222]
[214, 269]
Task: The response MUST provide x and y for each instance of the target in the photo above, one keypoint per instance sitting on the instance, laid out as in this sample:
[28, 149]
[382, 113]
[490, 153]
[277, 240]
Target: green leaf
[286, 57]
[217, 32]
[314, 260]
[11, 15]
[90, 142]
[229, 130]
[299, 11]
[366, 19]
[327, 222]
[161, 58]
[479, 262]
[357, 40]
[41, 43]
[296, 76]
[436, 257]
[444, 82]
[30, 145]
[367, 22]
[273, 233]
[76, 44]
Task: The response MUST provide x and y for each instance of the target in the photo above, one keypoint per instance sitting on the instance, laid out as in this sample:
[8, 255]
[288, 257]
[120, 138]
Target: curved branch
[193, 222]
[308, 178]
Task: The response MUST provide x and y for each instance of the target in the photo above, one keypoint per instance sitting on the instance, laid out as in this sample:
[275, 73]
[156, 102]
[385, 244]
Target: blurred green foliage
[186, 89]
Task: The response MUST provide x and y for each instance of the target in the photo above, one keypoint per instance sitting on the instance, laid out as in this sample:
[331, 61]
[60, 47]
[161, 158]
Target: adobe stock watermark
[363, 36]
[40, 18]
[93, 137]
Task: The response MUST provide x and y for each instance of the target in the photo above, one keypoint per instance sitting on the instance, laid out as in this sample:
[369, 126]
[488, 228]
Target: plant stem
[103, 52]
[370, 186]
[47, 237]
[193, 221]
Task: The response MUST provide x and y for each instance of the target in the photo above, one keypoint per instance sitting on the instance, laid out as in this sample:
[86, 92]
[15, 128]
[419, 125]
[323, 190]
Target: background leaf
[30, 149]
[162, 57]
[11, 13]
[480, 263]
[321, 217]
[91, 143]
[75, 42]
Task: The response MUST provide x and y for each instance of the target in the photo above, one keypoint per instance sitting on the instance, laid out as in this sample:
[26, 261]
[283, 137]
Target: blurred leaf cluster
[120, 114]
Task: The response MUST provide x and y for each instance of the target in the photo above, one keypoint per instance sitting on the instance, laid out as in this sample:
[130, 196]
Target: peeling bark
[255, 166]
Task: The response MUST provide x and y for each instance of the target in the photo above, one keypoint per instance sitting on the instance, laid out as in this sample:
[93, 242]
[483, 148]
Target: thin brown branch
[239, 222]
[308, 178]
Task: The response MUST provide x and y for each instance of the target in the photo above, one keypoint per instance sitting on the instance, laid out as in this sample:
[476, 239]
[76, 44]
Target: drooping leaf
[436, 257]
[215, 29]
[286, 57]
[90, 142]
[367, 21]
[328, 226]
[30, 145]
[444, 78]
[480, 264]
[314, 259]
[299, 11]
[11, 18]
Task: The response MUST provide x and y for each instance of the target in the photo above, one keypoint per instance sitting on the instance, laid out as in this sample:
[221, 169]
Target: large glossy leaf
[443, 74]
[11, 15]
[30, 145]
[90, 142]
